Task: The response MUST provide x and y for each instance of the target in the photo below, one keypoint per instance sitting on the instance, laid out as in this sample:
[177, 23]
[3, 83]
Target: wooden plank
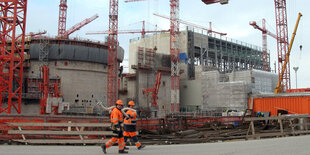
[302, 132]
[253, 128]
[44, 132]
[62, 124]
[61, 141]
[248, 119]
[267, 135]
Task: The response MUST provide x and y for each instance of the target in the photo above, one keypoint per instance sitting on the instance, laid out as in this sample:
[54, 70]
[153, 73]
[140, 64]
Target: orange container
[294, 103]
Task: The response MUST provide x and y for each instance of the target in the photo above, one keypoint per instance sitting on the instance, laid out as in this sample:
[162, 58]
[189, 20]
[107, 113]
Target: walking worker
[130, 126]
[116, 123]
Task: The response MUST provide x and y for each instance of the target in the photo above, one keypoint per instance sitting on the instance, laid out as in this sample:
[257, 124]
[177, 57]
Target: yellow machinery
[279, 87]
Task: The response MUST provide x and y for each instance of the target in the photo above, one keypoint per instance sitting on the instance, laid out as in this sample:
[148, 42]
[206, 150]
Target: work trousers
[134, 137]
[116, 138]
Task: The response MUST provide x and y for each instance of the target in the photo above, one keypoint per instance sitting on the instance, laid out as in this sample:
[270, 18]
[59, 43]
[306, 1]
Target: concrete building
[80, 66]
[218, 92]
[203, 53]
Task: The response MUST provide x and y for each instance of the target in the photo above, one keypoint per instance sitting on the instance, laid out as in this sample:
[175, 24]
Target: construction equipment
[280, 86]
[154, 90]
[78, 26]
[112, 78]
[209, 30]
[62, 21]
[215, 1]
[143, 31]
[265, 32]
[12, 31]
[282, 42]
[33, 34]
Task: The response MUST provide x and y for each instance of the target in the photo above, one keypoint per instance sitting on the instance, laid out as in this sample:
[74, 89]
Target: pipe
[105, 108]
[112, 107]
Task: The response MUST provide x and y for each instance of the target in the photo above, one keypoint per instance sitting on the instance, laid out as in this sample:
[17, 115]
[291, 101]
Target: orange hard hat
[131, 103]
[119, 102]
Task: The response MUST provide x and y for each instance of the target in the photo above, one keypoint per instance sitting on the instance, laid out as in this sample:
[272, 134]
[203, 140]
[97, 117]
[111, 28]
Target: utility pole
[296, 69]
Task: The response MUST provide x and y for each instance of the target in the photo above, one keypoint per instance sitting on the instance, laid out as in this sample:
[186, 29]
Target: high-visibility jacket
[130, 123]
[116, 118]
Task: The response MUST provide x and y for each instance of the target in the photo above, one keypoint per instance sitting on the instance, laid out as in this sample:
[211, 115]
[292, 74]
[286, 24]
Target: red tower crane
[78, 26]
[12, 31]
[33, 34]
[282, 42]
[209, 30]
[62, 22]
[112, 79]
[142, 31]
[265, 32]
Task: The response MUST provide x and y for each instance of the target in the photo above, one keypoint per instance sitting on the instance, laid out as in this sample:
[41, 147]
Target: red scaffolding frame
[62, 22]
[112, 79]
[282, 42]
[13, 25]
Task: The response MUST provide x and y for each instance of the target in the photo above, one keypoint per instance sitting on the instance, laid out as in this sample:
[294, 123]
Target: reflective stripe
[115, 119]
[109, 144]
[130, 123]
[137, 142]
[121, 144]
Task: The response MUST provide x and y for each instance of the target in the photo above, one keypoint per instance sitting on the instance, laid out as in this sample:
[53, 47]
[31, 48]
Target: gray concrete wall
[82, 81]
[231, 91]
[190, 95]
[161, 41]
[146, 80]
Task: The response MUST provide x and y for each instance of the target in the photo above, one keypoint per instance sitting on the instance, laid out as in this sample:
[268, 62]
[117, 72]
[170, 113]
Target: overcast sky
[232, 19]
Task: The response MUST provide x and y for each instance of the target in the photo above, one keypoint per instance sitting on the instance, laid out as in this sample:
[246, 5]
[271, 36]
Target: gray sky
[232, 19]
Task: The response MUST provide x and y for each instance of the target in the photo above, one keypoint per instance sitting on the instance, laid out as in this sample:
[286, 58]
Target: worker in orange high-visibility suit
[116, 125]
[130, 126]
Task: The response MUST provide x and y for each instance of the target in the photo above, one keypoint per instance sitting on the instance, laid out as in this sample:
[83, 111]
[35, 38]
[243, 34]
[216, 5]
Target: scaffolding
[225, 54]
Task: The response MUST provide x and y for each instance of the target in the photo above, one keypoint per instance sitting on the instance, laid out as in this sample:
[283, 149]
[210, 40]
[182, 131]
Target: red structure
[142, 31]
[62, 22]
[282, 42]
[44, 87]
[13, 21]
[49, 88]
[265, 32]
[209, 30]
[78, 26]
[112, 89]
[154, 90]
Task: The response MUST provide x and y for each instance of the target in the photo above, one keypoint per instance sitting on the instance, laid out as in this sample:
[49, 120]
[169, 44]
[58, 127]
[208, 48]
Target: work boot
[104, 148]
[122, 152]
[141, 147]
[126, 148]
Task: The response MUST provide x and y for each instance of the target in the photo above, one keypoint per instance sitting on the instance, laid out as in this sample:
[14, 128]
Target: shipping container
[292, 103]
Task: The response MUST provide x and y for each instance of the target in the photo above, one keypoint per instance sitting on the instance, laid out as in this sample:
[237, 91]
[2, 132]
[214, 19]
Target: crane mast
[112, 87]
[282, 43]
[12, 31]
[62, 22]
[279, 87]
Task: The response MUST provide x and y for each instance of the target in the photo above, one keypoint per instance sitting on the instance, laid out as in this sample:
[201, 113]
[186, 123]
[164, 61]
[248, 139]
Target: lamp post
[296, 69]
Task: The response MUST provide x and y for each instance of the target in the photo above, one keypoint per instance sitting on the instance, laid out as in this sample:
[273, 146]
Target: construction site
[191, 85]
